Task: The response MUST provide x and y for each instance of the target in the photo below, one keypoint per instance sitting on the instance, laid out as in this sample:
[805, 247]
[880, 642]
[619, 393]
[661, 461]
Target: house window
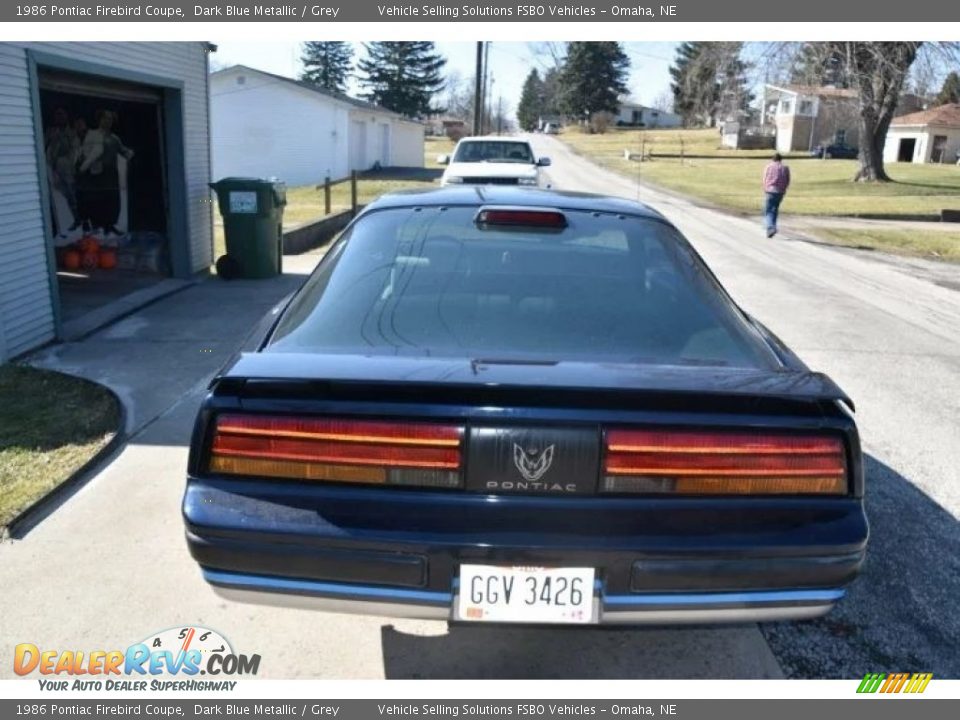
[806, 107]
[786, 106]
[840, 138]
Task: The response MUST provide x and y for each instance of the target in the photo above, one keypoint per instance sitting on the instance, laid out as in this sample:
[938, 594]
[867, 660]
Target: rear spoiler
[433, 380]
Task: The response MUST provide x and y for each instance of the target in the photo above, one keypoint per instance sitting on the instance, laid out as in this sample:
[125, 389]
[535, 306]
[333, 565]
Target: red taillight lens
[711, 463]
[516, 217]
[336, 450]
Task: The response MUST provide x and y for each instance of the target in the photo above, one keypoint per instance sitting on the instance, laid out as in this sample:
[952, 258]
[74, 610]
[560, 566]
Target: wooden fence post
[326, 195]
[353, 192]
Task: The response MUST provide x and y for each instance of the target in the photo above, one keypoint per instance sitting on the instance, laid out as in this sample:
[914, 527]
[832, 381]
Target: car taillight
[723, 463]
[521, 217]
[348, 451]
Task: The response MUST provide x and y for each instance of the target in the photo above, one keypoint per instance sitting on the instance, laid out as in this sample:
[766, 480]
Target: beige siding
[26, 308]
[26, 311]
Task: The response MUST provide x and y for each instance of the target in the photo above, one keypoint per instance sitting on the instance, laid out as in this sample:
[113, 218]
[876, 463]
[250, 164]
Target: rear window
[493, 151]
[429, 282]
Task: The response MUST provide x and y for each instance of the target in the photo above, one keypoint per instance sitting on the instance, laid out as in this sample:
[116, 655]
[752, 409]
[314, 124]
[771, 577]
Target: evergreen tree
[592, 79]
[709, 79]
[531, 102]
[693, 83]
[819, 64]
[950, 92]
[327, 64]
[402, 76]
[551, 91]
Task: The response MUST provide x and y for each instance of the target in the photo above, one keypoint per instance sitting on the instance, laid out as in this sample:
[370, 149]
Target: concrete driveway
[110, 565]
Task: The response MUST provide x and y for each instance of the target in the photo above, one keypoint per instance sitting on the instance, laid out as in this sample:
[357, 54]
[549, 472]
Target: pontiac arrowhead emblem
[532, 465]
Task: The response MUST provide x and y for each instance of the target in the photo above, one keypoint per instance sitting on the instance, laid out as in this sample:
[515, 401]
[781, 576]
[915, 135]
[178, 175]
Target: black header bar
[337, 11]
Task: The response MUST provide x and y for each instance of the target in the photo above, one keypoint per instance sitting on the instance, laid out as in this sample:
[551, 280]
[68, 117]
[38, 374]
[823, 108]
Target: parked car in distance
[836, 150]
[551, 129]
[494, 160]
[499, 405]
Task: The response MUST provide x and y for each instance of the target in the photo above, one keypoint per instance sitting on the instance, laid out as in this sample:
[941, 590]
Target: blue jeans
[772, 209]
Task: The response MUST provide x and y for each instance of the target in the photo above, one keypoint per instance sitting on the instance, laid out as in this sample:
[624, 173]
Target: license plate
[490, 593]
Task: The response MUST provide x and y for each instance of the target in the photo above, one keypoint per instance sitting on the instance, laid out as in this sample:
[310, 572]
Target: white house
[266, 125]
[637, 115]
[63, 106]
[806, 116]
[928, 136]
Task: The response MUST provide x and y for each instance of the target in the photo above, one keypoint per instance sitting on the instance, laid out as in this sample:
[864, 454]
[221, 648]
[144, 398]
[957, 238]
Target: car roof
[492, 138]
[478, 195]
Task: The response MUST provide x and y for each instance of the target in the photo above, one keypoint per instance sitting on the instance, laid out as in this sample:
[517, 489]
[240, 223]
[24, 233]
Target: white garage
[104, 165]
[928, 136]
[266, 125]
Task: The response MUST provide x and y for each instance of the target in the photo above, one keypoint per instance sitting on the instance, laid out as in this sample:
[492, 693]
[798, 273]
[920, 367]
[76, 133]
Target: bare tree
[548, 54]
[663, 102]
[458, 96]
[877, 71]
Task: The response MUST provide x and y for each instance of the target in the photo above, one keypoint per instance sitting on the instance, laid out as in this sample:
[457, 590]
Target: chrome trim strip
[686, 616]
[284, 584]
[333, 605]
[727, 598]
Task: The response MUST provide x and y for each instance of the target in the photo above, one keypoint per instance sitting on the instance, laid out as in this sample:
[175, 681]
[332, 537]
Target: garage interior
[905, 151]
[103, 146]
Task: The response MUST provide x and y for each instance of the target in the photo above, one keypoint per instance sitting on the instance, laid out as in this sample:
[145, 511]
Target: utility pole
[477, 92]
[483, 89]
[488, 104]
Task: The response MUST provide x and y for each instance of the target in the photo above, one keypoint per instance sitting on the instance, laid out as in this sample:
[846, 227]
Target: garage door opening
[103, 146]
[905, 151]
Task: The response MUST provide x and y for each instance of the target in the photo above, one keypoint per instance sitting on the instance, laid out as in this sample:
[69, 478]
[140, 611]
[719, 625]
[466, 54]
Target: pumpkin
[89, 260]
[88, 244]
[108, 258]
[71, 260]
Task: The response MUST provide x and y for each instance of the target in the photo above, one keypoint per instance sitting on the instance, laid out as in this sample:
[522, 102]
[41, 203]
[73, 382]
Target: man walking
[776, 180]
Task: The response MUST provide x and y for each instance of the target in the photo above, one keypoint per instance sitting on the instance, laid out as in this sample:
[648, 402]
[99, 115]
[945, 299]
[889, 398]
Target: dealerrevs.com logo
[173, 659]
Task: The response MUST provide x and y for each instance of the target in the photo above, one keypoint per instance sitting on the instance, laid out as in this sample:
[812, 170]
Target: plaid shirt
[776, 178]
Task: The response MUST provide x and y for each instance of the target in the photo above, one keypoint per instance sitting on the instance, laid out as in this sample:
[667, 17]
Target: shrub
[601, 121]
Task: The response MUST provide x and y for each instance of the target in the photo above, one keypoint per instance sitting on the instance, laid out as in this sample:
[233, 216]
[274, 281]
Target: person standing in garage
[776, 180]
[101, 147]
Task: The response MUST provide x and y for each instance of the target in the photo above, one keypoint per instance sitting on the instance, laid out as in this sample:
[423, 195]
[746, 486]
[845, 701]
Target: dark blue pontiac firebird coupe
[490, 404]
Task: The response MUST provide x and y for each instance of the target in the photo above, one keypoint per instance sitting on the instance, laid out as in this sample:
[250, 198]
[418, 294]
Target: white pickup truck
[493, 161]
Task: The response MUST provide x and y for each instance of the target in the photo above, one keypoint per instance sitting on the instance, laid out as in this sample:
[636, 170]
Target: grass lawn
[935, 244]
[731, 178]
[305, 202]
[50, 425]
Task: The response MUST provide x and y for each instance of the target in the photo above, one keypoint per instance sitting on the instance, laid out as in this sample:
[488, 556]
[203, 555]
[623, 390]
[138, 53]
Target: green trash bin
[252, 211]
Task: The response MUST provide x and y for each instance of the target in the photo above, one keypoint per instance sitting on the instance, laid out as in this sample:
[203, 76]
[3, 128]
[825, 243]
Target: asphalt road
[110, 566]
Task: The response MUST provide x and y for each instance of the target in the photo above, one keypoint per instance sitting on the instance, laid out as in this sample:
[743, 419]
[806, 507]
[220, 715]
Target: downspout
[209, 48]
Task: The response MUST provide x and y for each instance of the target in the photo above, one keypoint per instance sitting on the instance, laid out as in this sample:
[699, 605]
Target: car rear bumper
[398, 553]
[650, 608]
